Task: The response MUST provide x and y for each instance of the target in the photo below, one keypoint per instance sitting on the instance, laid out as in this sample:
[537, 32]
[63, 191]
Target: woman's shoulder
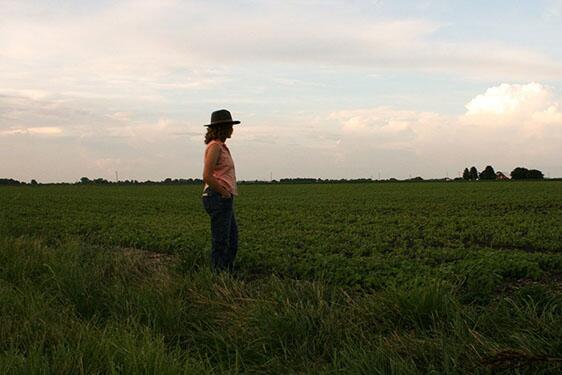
[213, 146]
[215, 143]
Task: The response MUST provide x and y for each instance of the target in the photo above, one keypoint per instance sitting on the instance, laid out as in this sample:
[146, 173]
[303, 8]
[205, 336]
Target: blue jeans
[224, 231]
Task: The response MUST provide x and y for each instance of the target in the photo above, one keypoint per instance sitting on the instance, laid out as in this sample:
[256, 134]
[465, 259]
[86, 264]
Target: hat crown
[222, 115]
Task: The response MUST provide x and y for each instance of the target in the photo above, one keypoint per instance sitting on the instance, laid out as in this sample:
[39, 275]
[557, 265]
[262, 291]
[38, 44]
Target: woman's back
[224, 169]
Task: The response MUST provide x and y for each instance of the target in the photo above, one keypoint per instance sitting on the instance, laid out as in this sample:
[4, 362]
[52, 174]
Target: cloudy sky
[330, 89]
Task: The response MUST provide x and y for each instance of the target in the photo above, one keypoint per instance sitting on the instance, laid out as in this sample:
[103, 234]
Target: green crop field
[331, 278]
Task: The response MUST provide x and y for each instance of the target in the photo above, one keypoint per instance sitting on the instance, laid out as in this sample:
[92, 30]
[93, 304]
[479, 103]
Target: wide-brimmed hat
[222, 117]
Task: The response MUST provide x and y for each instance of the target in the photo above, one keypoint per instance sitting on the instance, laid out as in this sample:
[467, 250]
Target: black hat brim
[229, 122]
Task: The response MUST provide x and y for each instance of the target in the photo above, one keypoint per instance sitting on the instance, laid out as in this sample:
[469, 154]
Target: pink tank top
[224, 169]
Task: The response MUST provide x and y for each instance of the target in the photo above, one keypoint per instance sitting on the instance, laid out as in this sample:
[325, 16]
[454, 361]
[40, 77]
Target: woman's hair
[219, 132]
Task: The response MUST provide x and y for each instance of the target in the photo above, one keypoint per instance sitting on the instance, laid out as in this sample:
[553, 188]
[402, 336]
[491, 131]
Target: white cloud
[552, 115]
[171, 45]
[118, 79]
[49, 115]
[553, 10]
[140, 133]
[381, 120]
[346, 143]
[508, 125]
[508, 99]
[42, 131]
[526, 111]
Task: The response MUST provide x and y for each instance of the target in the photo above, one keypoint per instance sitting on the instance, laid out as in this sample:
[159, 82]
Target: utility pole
[116, 176]
[270, 176]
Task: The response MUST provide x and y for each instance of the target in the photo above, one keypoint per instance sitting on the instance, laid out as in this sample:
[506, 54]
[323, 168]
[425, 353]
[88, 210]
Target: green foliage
[10, 181]
[367, 278]
[488, 173]
[152, 320]
[521, 173]
[363, 235]
[473, 173]
[535, 174]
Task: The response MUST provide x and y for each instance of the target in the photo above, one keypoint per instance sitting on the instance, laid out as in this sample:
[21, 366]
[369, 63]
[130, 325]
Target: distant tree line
[488, 173]
[103, 181]
[10, 181]
[301, 180]
[167, 181]
[469, 174]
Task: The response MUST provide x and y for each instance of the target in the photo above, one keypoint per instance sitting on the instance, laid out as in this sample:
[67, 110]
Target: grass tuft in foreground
[78, 308]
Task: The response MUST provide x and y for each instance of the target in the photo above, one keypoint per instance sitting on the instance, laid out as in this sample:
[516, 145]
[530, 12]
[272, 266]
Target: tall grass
[77, 308]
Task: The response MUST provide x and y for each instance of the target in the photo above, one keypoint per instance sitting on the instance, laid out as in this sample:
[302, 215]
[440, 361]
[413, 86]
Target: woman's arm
[210, 162]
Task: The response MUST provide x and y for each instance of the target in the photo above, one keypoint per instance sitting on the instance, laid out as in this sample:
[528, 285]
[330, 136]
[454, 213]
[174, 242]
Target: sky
[325, 89]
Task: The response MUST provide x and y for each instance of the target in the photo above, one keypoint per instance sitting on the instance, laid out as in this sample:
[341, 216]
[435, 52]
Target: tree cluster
[488, 173]
[10, 181]
[98, 181]
[521, 173]
[470, 174]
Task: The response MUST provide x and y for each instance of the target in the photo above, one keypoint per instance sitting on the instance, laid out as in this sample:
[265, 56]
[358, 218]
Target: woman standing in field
[219, 191]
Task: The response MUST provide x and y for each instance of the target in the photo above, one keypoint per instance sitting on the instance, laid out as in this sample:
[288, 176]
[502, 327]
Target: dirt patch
[155, 263]
[150, 256]
[512, 358]
[552, 281]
